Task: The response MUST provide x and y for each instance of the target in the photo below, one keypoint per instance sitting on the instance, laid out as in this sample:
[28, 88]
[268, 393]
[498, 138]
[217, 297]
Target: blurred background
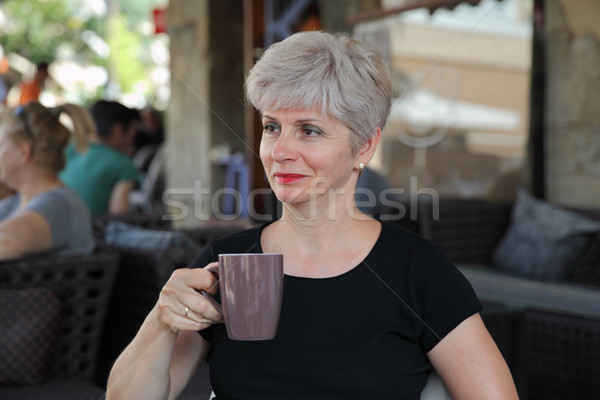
[96, 48]
[489, 95]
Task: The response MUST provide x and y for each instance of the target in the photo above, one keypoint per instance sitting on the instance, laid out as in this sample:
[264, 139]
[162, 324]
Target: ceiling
[432, 5]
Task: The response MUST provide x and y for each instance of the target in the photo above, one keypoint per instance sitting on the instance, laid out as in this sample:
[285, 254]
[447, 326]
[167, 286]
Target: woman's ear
[25, 150]
[368, 148]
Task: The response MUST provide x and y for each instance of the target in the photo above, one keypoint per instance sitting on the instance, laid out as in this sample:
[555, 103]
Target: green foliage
[126, 50]
[136, 10]
[48, 30]
[36, 29]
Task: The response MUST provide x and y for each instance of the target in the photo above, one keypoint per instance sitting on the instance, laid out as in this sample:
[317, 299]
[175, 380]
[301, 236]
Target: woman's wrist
[157, 325]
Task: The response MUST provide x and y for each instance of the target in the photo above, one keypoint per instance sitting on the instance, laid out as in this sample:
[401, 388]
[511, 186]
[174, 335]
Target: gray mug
[251, 289]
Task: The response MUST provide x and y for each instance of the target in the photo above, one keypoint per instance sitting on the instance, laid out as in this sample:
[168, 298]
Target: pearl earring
[361, 166]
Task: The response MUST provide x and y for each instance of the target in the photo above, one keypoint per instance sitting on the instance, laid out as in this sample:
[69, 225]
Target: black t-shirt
[360, 335]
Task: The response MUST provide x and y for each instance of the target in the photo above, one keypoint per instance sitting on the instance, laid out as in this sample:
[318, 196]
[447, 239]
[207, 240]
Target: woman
[368, 307]
[43, 216]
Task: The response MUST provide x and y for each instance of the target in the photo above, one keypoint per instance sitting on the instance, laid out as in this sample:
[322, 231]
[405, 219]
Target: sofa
[548, 329]
[61, 303]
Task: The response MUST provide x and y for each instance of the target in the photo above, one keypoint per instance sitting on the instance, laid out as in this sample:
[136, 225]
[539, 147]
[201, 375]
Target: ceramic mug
[251, 288]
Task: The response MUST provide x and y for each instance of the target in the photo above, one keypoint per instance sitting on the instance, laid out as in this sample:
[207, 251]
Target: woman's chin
[289, 195]
[291, 198]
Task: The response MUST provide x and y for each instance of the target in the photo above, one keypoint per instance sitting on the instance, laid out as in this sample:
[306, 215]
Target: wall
[573, 102]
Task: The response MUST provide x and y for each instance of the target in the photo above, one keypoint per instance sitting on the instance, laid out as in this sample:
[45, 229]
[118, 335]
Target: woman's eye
[271, 127]
[310, 130]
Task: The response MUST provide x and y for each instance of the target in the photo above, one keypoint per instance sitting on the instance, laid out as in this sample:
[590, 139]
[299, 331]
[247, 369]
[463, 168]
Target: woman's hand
[166, 351]
[180, 304]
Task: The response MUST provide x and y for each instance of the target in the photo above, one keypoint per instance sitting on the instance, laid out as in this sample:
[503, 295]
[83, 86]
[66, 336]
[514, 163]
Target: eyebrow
[298, 121]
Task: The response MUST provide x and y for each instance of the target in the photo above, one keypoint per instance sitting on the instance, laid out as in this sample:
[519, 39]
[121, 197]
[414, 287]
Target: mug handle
[208, 296]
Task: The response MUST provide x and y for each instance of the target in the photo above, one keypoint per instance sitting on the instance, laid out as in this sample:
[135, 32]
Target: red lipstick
[287, 178]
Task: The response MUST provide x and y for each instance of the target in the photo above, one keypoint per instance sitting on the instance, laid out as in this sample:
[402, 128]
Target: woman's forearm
[8, 248]
[159, 362]
[142, 371]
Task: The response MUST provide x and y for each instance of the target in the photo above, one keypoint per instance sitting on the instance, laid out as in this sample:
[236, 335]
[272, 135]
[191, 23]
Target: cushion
[543, 241]
[29, 330]
[587, 271]
[122, 234]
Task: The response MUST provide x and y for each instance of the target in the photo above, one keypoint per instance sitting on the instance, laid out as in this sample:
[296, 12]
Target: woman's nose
[284, 148]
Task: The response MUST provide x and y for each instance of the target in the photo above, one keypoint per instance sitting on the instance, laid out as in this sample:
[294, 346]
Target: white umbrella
[430, 117]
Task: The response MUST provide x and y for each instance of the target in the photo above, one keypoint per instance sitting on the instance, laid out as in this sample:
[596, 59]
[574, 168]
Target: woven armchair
[141, 276]
[83, 284]
[467, 229]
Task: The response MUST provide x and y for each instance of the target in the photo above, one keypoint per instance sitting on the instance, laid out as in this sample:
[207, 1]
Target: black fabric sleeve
[445, 296]
[205, 257]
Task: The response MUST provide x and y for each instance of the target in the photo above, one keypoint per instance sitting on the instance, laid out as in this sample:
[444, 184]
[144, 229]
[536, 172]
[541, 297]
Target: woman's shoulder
[10, 200]
[64, 193]
[400, 247]
[397, 236]
[63, 196]
[244, 241]
[8, 205]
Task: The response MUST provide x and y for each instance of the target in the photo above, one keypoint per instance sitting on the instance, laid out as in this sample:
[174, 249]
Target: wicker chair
[467, 230]
[141, 276]
[83, 284]
[563, 357]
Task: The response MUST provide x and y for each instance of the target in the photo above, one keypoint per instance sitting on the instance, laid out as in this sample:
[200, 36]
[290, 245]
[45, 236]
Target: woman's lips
[287, 178]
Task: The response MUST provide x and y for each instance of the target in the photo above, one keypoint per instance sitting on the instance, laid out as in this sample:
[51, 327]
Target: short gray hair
[334, 74]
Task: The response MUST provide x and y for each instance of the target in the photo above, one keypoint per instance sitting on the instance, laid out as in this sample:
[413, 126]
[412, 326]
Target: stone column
[205, 109]
[573, 102]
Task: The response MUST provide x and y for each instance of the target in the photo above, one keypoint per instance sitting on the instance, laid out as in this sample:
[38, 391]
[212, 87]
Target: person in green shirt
[101, 171]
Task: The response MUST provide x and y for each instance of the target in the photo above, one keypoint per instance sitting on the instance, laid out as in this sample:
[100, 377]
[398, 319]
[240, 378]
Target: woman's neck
[35, 183]
[314, 221]
[326, 245]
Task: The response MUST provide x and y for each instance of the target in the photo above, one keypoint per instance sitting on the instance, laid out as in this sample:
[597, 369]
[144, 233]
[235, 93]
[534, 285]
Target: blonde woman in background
[43, 216]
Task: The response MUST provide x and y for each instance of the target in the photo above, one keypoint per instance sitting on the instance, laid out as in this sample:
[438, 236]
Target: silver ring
[186, 312]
